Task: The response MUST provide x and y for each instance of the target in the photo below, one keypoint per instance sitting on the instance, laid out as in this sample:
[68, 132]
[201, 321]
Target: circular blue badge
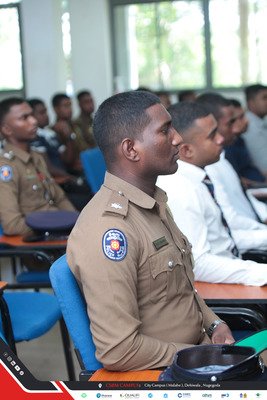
[114, 245]
[6, 173]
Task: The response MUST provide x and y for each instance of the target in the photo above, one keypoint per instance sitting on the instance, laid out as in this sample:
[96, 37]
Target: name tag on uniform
[159, 243]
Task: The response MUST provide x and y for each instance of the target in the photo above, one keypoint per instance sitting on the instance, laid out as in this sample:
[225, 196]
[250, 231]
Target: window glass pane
[10, 50]
[238, 42]
[160, 45]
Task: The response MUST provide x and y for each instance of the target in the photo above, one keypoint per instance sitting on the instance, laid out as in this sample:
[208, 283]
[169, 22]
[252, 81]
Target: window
[189, 44]
[11, 73]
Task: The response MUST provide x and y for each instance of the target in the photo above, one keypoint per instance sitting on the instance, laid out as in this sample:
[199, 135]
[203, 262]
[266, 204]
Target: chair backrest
[73, 308]
[94, 167]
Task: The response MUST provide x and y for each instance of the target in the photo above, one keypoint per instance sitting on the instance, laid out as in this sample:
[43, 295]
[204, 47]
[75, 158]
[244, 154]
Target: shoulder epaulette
[117, 204]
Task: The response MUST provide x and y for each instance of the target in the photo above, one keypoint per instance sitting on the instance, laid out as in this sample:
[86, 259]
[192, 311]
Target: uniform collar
[132, 193]
[24, 156]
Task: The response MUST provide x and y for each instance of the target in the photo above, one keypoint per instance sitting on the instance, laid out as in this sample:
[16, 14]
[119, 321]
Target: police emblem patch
[6, 173]
[114, 245]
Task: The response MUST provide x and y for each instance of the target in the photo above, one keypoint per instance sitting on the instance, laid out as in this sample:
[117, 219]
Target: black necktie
[210, 187]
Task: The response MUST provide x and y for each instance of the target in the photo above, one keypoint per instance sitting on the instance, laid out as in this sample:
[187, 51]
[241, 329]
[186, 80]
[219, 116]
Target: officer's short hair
[214, 102]
[6, 104]
[34, 102]
[57, 99]
[252, 91]
[185, 113]
[120, 116]
[83, 93]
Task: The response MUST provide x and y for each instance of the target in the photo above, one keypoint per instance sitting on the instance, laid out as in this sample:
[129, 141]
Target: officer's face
[159, 144]
[87, 104]
[241, 122]
[19, 124]
[40, 113]
[64, 109]
[226, 124]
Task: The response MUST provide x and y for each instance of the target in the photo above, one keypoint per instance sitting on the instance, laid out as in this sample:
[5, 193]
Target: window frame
[21, 92]
[207, 46]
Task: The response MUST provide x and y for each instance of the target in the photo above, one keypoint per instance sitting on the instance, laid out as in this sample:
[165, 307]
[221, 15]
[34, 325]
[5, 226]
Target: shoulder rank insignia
[114, 245]
[116, 205]
[6, 173]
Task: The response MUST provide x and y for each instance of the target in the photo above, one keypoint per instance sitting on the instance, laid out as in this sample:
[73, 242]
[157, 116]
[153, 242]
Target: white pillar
[44, 63]
[91, 54]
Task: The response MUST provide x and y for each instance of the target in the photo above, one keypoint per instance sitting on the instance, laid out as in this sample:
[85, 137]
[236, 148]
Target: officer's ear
[129, 149]
[186, 151]
[5, 129]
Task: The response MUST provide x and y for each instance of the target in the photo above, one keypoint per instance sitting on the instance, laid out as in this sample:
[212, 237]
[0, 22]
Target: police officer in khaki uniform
[132, 262]
[25, 184]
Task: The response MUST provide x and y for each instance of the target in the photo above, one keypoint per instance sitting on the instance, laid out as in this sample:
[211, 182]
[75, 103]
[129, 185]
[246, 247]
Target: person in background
[226, 182]
[237, 153]
[149, 309]
[25, 183]
[194, 205]
[68, 132]
[186, 95]
[164, 98]
[85, 120]
[46, 142]
[256, 133]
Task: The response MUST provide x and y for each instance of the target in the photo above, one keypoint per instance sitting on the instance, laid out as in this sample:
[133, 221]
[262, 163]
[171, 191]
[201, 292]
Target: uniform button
[196, 290]
[170, 264]
[203, 330]
[34, 187]
[120, 193]
[51, 202]
[183, 250]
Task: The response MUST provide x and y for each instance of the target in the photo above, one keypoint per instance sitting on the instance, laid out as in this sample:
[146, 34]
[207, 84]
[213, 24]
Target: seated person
[25, 183]
[237, 153]
[195, 209]
[256, 133]
[226, 181]
[186, 95]
[68, 132]
[164, 98]
[54, 153]
[136, 274]
[85, 120]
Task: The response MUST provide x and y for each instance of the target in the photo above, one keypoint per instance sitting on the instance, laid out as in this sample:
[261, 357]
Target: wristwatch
[214, 326]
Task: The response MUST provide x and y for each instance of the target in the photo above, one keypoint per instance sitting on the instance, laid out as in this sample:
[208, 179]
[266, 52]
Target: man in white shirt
[195, 210]
[226, 181]
[256, 134]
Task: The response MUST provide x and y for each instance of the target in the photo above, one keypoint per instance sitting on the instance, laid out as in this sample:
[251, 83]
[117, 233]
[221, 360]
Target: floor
[44, 357]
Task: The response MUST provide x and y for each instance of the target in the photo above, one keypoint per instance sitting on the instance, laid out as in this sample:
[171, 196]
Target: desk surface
[146, 375]
[231, 293]
[3, 284]
[17, 241]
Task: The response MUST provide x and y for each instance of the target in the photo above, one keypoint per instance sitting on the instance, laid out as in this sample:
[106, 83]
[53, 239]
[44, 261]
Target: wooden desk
[17, 242]
[226, 294]
[146, 376]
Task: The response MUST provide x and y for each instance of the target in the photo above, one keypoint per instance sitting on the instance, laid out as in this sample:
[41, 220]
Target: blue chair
[28, 315]
[94, 167]
[73, 308]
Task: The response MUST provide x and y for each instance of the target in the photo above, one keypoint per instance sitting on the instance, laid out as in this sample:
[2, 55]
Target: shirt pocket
[166, 274]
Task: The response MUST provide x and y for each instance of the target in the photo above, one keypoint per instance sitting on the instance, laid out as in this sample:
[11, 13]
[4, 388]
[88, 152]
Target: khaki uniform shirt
[85, 125]
[135, 269]
[26, 186]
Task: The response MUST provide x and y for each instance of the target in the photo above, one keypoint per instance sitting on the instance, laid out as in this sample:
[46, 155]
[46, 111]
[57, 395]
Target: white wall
[45, 67]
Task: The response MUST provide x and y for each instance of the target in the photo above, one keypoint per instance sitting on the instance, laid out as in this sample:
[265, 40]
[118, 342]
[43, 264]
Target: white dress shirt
[199, 218]
[227, 185]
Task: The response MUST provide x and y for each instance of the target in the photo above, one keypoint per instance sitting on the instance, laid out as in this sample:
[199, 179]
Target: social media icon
[17, 368]
[13, 363]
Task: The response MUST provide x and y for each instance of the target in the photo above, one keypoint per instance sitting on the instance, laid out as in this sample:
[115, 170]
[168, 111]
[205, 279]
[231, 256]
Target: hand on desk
[222, 335]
